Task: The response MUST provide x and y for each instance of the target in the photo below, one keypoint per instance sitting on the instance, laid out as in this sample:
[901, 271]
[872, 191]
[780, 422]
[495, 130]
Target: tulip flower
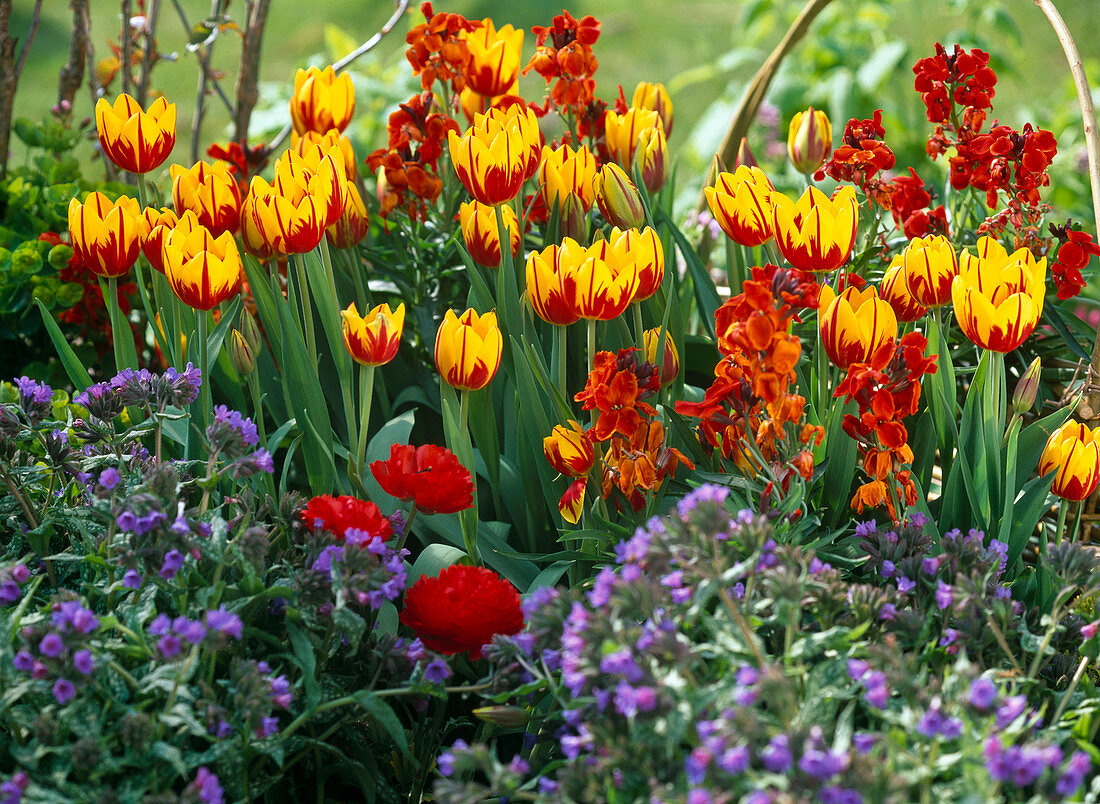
[741, 202]
[551, 281]
[468, 349]
[895, 290]
[273, 224]
[106, 235]
[617, 197]
[297, 178]
[809, 140]
[653, 159]
[605, 288]
[479, 229]
[655, 97]
[998, 297]
[564, 172]
[211, 192]
[372, 340]
[930, 266]
[855, 324]
[241, 354]
[136, 140]
[203, 270]
[817, 233]
[353, 224]
[1027, 389]
[494, 58]
[569, 450]
[670, 360]
[1074, 450]
[497, 153]
[643, 248]
[622, 132]
[314, 146]
[321, 100]
[158, 222]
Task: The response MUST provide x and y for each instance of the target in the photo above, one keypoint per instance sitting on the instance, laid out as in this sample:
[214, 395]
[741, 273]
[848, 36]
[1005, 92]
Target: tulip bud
[1027, 388]
[251, 331]
[655, 97]
[744, 155]
[573, 220]
[653, 159]
[618, 198]
[510, 717]
[809, 140]
[670, 364]
[241, 354]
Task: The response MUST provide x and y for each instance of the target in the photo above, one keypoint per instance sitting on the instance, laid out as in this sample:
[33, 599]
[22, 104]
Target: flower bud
[241, 354]
[1027, 388]
[652, 158]
[573, 220]
[745, 155]
[250, 330]
[618, 198]
[809, 140]
[510, 717]
[670, 364]
[655, 97]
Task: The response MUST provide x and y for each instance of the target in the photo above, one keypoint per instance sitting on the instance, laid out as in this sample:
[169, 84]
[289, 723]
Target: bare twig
[127, 44]
[148, 51]
[248, 76]
[72, 73]
[366, 47]
[10, 70]
[758, 89]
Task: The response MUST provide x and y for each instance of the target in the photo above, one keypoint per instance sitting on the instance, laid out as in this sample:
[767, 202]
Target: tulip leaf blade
[706, 295]
[435, 558]
[1027, 509]
[1033, 440]
[69, 361]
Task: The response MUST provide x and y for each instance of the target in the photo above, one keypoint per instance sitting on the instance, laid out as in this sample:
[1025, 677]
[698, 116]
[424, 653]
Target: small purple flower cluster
[11, 580]
[231, 437]
[174, 634]
[59, 649]
[170, 389]
[1024, 765]
[204, 789]
[257, 693]
[34, 400]
[369, 570]
[11, 791]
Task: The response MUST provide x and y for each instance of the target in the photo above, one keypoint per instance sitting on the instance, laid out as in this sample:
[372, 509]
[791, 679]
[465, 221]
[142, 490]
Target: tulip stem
[366, 397]
[258, 414]
[201, 325]
[307, 310]
[119, 326]
[1062, 511]
[563, 382]
[638, 327]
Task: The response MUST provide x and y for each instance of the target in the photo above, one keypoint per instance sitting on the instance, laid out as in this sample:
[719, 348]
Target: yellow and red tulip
[643, 248]
[313, 146]
[653, 159]
[372, 340]
[468, 349]
[106, 235]
[497, 153]
[622, 132]
[297, 178]
[211, 192]
[158, 223]
[353, 224]
[816, 233]
[895, 290]
[565, 172]
[741, 202]
[998, 297]
[494, 58]
[855, 324]
[551, 281]
[571, 504]
[930, 265]
[617, 197]
[1074, 450]
[569, 450]
[203, 270]
[655, 97]
[605, 288]
[809, 140]
[670, 360]
[273, 224]
[322, 100]
[479, 229]
[136, 140]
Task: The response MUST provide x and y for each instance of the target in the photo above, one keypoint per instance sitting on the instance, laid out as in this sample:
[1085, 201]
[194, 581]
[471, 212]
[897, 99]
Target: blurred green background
[857, 57]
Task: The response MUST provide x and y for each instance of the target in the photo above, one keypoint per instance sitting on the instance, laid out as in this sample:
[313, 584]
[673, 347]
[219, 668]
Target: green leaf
[434, 559]
[1026, 512]
[395, 431]
[73, 367]
[307, 661]
[1033, 440]
[384, 715]
[706, 295]
[219, 333]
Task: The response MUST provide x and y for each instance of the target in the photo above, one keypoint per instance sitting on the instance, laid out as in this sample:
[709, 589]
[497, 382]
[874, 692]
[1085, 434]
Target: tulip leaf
[395, 431]
[1005, 525]
[492, 544]
[1051, 316]
[382, 713]
[1027, 509]
[706, 295]
[69, 361]
[1033, 439]
[308, 404]
[307, 663]
[841, 465]
[435, 558]
[219, 333]
[550, 576]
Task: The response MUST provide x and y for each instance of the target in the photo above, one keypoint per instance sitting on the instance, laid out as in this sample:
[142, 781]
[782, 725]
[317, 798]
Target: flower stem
[366, 397]
[563, 363]
[638, 333]
[307, 308]
[201, 325]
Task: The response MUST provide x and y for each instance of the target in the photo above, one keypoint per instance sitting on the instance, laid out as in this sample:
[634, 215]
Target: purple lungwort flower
[206, 783]
[83, 662]
[63, 691]
[776, 755]
[173, 560]
[437, 671]
[945, 595]
[983, 692]
[51, 646]
[225, 622]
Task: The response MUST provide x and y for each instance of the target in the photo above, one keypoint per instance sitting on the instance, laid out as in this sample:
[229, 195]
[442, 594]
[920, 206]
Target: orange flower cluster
[437, 48]
[637, 458]
[747, 408]
[886, 389]
[563, 54]
[410, 174]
